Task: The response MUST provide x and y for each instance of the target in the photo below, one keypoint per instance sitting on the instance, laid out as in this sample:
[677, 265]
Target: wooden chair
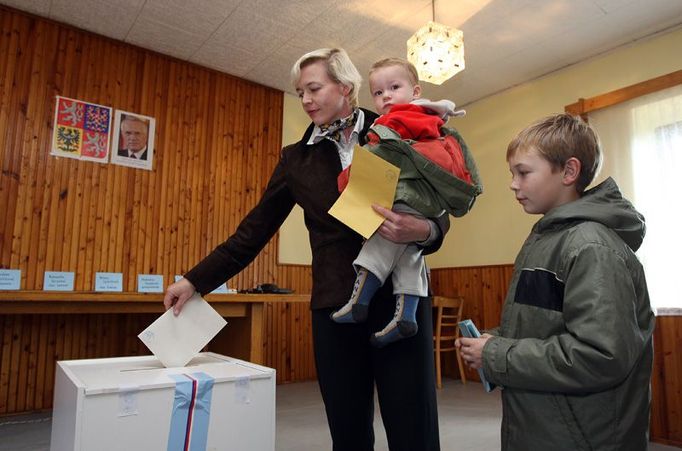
[446, 331]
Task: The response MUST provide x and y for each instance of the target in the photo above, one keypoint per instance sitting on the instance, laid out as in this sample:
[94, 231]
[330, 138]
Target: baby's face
[390, 86]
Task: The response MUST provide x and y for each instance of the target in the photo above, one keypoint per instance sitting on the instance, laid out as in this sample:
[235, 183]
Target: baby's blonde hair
[389, 62]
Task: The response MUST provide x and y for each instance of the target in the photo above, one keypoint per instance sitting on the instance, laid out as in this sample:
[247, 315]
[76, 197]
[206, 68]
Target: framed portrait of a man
[133, 140]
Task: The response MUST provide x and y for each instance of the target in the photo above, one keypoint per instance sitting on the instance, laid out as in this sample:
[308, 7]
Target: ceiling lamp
[436, 50]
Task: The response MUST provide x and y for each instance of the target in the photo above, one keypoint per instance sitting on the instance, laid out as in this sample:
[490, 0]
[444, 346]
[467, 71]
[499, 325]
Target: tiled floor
[469, 421]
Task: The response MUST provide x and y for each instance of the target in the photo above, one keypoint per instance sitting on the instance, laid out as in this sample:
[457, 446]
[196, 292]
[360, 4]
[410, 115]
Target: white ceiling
[507, 42]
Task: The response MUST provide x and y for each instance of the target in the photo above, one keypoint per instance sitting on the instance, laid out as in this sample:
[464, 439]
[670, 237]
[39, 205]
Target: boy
[574, 348]
[408, 119]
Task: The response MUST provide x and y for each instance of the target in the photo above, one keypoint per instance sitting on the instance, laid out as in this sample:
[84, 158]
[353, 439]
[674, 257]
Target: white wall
[294, 246]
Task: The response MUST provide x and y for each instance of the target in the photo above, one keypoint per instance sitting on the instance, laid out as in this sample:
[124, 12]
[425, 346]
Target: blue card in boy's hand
[469, 330]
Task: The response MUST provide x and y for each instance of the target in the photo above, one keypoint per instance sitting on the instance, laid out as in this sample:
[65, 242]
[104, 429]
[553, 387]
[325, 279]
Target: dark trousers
[348, 368]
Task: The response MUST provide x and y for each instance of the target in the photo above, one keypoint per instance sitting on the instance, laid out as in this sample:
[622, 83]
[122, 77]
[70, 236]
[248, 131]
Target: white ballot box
[134, 403]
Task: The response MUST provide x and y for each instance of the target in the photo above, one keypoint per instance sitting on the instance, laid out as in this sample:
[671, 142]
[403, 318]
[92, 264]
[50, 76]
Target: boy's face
[390, 86]
[537, 185]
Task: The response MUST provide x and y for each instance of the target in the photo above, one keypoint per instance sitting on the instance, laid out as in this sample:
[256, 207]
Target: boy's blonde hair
[558, 138]
[339, 68]
[388, 62]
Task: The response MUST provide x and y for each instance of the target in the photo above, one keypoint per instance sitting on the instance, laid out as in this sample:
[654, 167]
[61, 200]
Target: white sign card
[58, 281]
[10, 279]
[149, 283]
[109, 281]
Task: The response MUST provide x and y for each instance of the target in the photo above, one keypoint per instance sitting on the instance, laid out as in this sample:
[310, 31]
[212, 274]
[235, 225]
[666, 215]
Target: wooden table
[245, 339]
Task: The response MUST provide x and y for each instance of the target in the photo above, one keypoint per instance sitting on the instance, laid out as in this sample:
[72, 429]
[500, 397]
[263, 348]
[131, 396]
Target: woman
[347, 365]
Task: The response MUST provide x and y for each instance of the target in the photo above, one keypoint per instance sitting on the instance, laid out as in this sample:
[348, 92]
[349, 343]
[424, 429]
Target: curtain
[642, 144]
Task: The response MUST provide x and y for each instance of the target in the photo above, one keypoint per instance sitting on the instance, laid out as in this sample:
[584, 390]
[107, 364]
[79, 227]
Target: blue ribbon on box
[191, 412]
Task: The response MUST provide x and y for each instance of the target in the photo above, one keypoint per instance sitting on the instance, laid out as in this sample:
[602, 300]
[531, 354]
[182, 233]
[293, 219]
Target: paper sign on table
[175, 340]
[372, 181]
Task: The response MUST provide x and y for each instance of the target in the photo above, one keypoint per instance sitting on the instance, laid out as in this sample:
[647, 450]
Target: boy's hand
[471, 350]
[402, 227]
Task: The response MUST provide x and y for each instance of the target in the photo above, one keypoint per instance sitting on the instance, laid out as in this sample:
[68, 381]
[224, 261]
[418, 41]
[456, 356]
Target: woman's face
[323, 99]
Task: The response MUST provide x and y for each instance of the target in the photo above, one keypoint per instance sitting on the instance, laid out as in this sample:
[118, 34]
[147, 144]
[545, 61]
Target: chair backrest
[448, 316]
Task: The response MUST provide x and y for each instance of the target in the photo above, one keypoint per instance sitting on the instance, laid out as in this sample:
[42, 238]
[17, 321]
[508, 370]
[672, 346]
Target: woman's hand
[402, 227]
[177, 294]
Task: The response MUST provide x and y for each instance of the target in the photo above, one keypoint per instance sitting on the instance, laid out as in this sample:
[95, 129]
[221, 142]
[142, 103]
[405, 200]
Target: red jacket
[418, 124]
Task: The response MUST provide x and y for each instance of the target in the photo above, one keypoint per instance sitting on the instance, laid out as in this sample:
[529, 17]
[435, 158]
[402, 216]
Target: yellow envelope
[372, 181]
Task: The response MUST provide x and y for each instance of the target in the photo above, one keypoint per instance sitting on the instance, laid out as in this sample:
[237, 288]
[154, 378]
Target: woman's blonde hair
[339, 68]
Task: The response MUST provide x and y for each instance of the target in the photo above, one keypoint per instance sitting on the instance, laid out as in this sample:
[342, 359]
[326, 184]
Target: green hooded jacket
[574, 349]
[422, 184]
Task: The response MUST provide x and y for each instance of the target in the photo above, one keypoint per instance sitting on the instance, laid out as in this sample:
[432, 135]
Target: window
[642, 142]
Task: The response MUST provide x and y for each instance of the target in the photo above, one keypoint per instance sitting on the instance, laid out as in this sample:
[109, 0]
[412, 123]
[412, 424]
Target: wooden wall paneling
[22, 222]
[286, 342]
[133, 229]
[300, 332]
[210, 160]
[495, 283]
[69, 176]
[217, 170]
[168, 180]
[6, 321]
[105, 177]
[7, 63]
[464, 282]
[57, 243]
[237, 183]
[106, 207]
[36, 395]
[18, 68]
[91, 92]
[18, 387]
[49, 361]
[666, 415]
[184, 170]
[196, 151]
[65, 168]
[197, 148]
[202, 199]
[179, 167]
[74, 212]
[105, 228]
[15, 356]
[216, 165]
[157, 106]
[31, 353]
[187, 166]
[42, 138]
[118, 197]
[48, 225]
[147, 229]
[82, 257]
[264, 262]
[280, 331]
[193, 160]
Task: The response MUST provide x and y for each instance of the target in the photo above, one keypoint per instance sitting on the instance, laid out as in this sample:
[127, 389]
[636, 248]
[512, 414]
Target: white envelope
[175, 340]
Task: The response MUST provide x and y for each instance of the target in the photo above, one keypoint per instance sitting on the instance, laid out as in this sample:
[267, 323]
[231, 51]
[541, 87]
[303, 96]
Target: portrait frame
[120, 154]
